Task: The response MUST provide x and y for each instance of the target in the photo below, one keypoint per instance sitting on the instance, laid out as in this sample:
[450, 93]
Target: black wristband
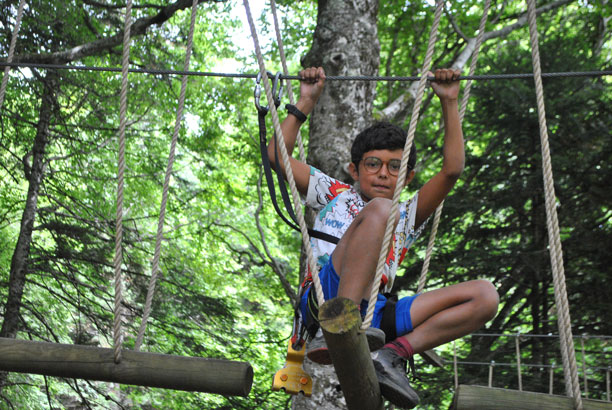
[292, 109]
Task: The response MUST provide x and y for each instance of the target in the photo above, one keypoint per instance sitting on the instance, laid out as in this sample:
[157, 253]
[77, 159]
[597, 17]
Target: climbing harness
[292, 378]
[277, 89]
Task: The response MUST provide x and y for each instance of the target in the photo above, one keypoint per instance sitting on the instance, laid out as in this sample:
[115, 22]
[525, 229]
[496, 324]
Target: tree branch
[139, 27]
[453, 22]
[398, 105]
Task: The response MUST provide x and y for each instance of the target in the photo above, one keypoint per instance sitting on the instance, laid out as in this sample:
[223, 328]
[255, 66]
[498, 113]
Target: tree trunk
[345, 43]
[35, 175]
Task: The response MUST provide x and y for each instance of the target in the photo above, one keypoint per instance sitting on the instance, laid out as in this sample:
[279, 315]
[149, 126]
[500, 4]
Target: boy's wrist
[449, 102]
[305, 105]
[446, 98]
[296, 112]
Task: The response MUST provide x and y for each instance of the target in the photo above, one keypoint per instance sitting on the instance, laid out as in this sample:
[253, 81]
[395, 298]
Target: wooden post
[340, 321]
[138, 368]
[517, 341]
[584, 369]
[608, 384]
[455, 364]
[550, 381]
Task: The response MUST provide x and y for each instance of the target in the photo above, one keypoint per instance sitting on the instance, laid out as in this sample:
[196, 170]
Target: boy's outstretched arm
[446, 86]
[311, 86]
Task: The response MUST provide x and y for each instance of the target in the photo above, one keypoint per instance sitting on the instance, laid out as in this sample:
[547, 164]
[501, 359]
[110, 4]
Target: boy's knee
[487, 299]
[379, 208]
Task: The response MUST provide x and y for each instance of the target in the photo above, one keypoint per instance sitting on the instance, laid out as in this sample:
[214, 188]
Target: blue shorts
[330, 281]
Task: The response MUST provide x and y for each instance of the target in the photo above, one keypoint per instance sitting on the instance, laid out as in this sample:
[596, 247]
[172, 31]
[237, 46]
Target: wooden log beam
[431, 357]
[340, 321]
[137, 368]
[491, 398]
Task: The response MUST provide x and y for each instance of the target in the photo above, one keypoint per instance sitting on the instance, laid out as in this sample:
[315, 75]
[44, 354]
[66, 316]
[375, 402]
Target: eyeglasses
[373, 164]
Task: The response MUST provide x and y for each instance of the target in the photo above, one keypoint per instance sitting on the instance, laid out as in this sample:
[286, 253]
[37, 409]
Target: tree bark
[35, 175]
[345, 43]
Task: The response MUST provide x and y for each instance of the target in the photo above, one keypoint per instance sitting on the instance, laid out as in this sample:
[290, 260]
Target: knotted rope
[384, 250]
[568, 354]
[280, 140]
[118, 311]
[166, 187]
[11, 50]
[464, 101]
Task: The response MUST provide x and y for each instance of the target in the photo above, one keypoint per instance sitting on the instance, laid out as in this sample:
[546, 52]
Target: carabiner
[257, 95]
[277, 90]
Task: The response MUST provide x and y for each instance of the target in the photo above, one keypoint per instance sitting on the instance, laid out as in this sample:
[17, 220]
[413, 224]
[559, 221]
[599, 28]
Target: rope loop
[464, 101]
[404, 166]
[118, 279]
[568, 354]
[166, 186]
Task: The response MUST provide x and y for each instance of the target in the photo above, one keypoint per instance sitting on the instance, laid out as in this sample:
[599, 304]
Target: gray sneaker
[316, 349]
[394, 384]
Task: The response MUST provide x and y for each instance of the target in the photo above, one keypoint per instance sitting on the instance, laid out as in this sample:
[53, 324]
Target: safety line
[527, 335]
[542, 365]
[480, 77]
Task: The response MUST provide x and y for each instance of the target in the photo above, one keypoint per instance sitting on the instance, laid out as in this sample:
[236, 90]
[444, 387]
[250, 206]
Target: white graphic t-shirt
[338, 204]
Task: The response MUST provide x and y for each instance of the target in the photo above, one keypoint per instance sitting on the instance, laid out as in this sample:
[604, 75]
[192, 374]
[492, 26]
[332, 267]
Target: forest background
[229, 266]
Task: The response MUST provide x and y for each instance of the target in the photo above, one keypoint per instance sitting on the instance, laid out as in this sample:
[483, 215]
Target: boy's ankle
[401, 346]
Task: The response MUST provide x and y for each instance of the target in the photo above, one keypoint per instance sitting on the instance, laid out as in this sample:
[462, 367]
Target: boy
[358, 216]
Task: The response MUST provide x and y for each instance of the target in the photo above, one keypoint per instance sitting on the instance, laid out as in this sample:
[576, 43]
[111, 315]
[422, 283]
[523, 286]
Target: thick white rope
[568, 354]
[118, 311]
[384, 250]
[280, 140]
[281, 51]
[166, 187]
[11, 52]
[464, 101]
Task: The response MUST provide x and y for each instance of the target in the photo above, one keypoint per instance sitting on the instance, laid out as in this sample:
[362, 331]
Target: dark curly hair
[381, 135]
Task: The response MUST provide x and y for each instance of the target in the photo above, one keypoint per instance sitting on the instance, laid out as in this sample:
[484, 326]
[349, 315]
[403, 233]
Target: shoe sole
[399, 397]
[319, 356]
[375, 338]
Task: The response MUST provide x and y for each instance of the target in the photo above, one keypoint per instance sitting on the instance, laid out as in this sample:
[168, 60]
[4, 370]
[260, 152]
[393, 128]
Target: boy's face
[377, 173]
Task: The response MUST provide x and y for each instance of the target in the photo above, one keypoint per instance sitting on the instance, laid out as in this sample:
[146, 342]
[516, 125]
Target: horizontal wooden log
[491, 398]
[431, 357]
[340, 321]
[137, 368]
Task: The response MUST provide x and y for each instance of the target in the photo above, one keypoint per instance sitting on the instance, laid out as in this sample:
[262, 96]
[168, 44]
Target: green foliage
[218, 295]
[494, 225]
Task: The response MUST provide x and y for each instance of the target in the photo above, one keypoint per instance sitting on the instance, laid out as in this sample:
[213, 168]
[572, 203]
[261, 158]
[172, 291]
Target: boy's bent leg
[446, 314]
[427, 321]
[356, 256]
